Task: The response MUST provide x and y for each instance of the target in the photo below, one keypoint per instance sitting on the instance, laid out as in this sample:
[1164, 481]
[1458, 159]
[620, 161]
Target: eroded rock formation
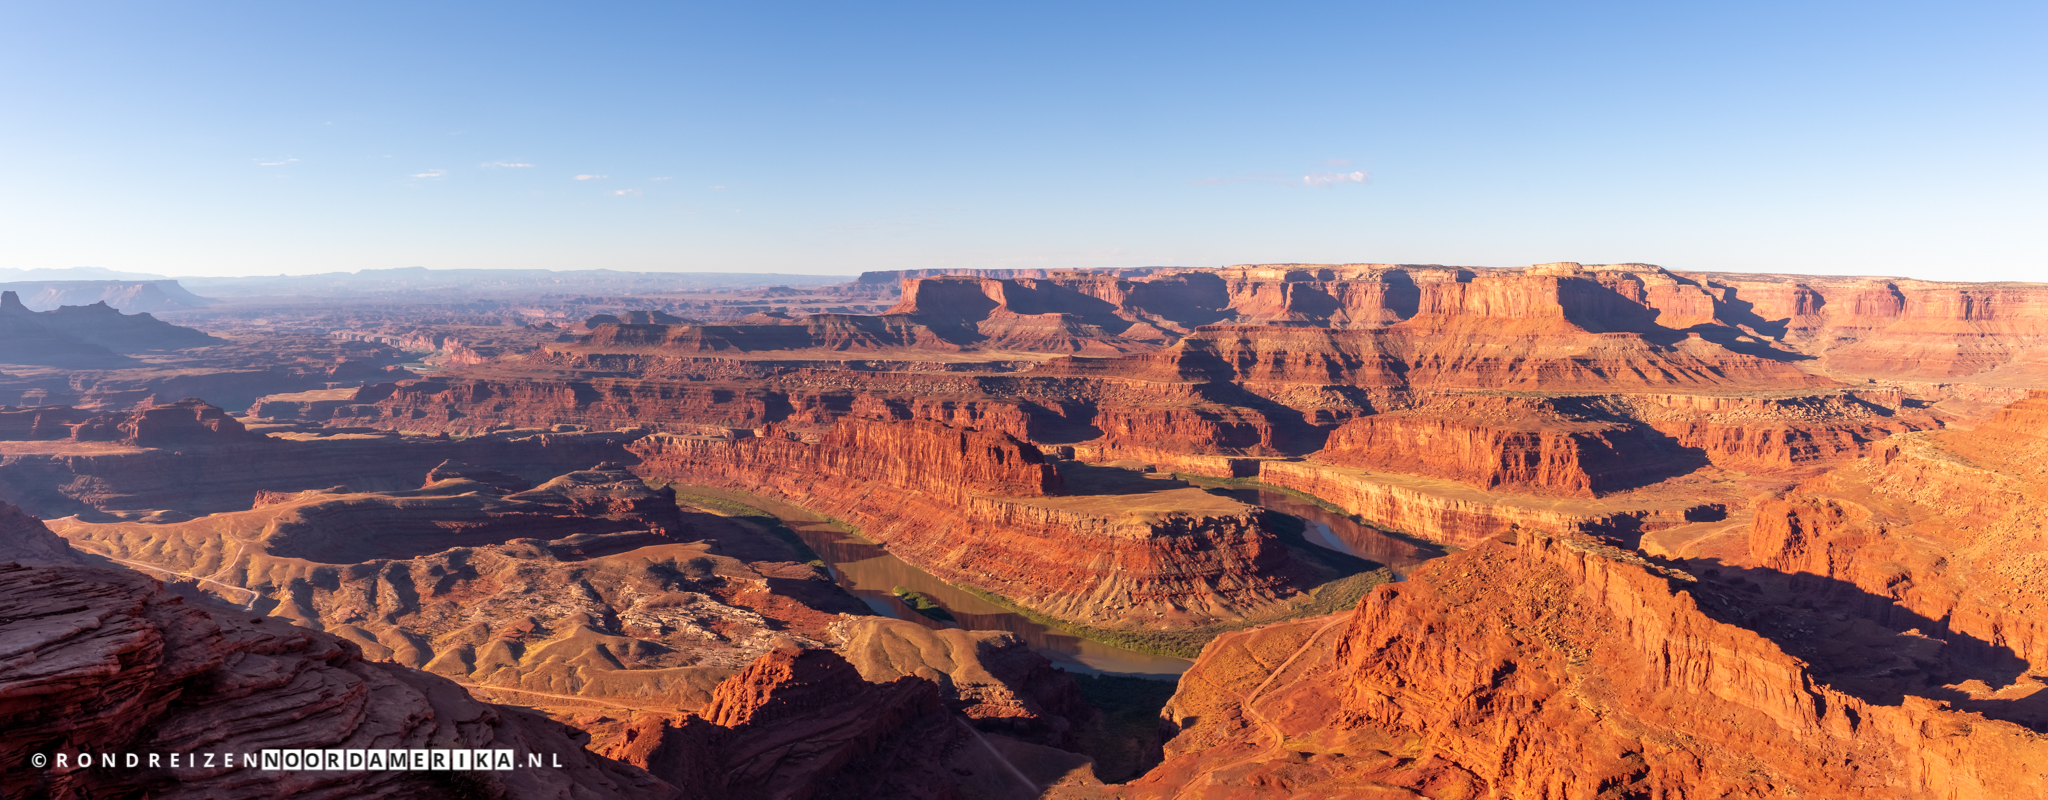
[1948, 530]
[804, 724]
[105, 661]
[187, 422]
[1562, 667]
[973, 507]
[1724, 535]
[590, 586]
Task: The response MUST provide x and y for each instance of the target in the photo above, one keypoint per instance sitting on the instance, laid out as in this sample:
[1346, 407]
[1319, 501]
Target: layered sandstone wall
[1893, 329]
[1458, 516]
[1158, 460]
[837, 332]
[1641, 631]
[911, 455]
[1502, 443]
[1777, 434]
[975, 507]
[1202, 430]
[1453, 352]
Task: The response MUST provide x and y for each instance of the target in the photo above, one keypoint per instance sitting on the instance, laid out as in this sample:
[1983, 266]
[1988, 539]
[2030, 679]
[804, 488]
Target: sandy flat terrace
[1656, 496]
[65, 447]
[1188, 500]
[303, 436]
[307, 396]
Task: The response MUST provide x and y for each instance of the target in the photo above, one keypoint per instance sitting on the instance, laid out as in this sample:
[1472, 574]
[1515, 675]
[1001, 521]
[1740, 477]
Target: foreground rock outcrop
[1562, 667]
[800, 724]
[1947, 532]
[990, 677]
[102, 661]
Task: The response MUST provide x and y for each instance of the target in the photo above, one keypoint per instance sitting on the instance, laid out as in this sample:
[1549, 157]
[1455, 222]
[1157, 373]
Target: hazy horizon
[850, 275]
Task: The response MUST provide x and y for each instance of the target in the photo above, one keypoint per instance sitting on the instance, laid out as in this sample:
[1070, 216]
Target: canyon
[1374, 530]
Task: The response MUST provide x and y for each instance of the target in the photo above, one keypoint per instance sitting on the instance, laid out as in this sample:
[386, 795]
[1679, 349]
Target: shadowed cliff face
[1942, 533]
[805, 724]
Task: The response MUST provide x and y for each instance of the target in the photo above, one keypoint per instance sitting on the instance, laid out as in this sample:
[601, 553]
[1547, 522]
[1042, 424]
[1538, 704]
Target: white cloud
[432, 173]
[276, 162]
[590, 177]
[664, 178]
[718, 187]
[502, 164]
[628, 192]
[1332, 178]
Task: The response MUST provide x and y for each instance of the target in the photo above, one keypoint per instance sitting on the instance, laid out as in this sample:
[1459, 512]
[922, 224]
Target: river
[870, 573]
[1340, 533]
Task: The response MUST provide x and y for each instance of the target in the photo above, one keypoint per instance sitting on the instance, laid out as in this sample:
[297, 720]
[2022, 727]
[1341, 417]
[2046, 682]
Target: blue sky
[265, 138]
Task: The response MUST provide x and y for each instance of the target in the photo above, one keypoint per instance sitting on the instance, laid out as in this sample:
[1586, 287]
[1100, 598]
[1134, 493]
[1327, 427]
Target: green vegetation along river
[883, 581]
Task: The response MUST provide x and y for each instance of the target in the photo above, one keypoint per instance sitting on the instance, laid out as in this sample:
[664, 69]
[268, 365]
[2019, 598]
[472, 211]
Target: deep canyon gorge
[1267, 530]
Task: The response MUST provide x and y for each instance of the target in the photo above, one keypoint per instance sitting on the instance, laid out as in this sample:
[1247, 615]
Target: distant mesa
[127, 295]
[653, 317]
[85, 337]
[893, 276]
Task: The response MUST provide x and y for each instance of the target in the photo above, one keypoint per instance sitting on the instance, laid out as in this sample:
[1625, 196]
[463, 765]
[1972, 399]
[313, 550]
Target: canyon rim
[1267, 530]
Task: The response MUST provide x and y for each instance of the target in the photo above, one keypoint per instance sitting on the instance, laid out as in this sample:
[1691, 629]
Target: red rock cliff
[1560, 667]
[974, 507]
[1517, 445]
[1949, 526]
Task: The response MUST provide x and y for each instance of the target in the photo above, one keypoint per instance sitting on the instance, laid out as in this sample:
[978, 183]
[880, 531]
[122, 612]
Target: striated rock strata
[1561, 667]
[590, 589]
[107, 661]
[975, 507]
